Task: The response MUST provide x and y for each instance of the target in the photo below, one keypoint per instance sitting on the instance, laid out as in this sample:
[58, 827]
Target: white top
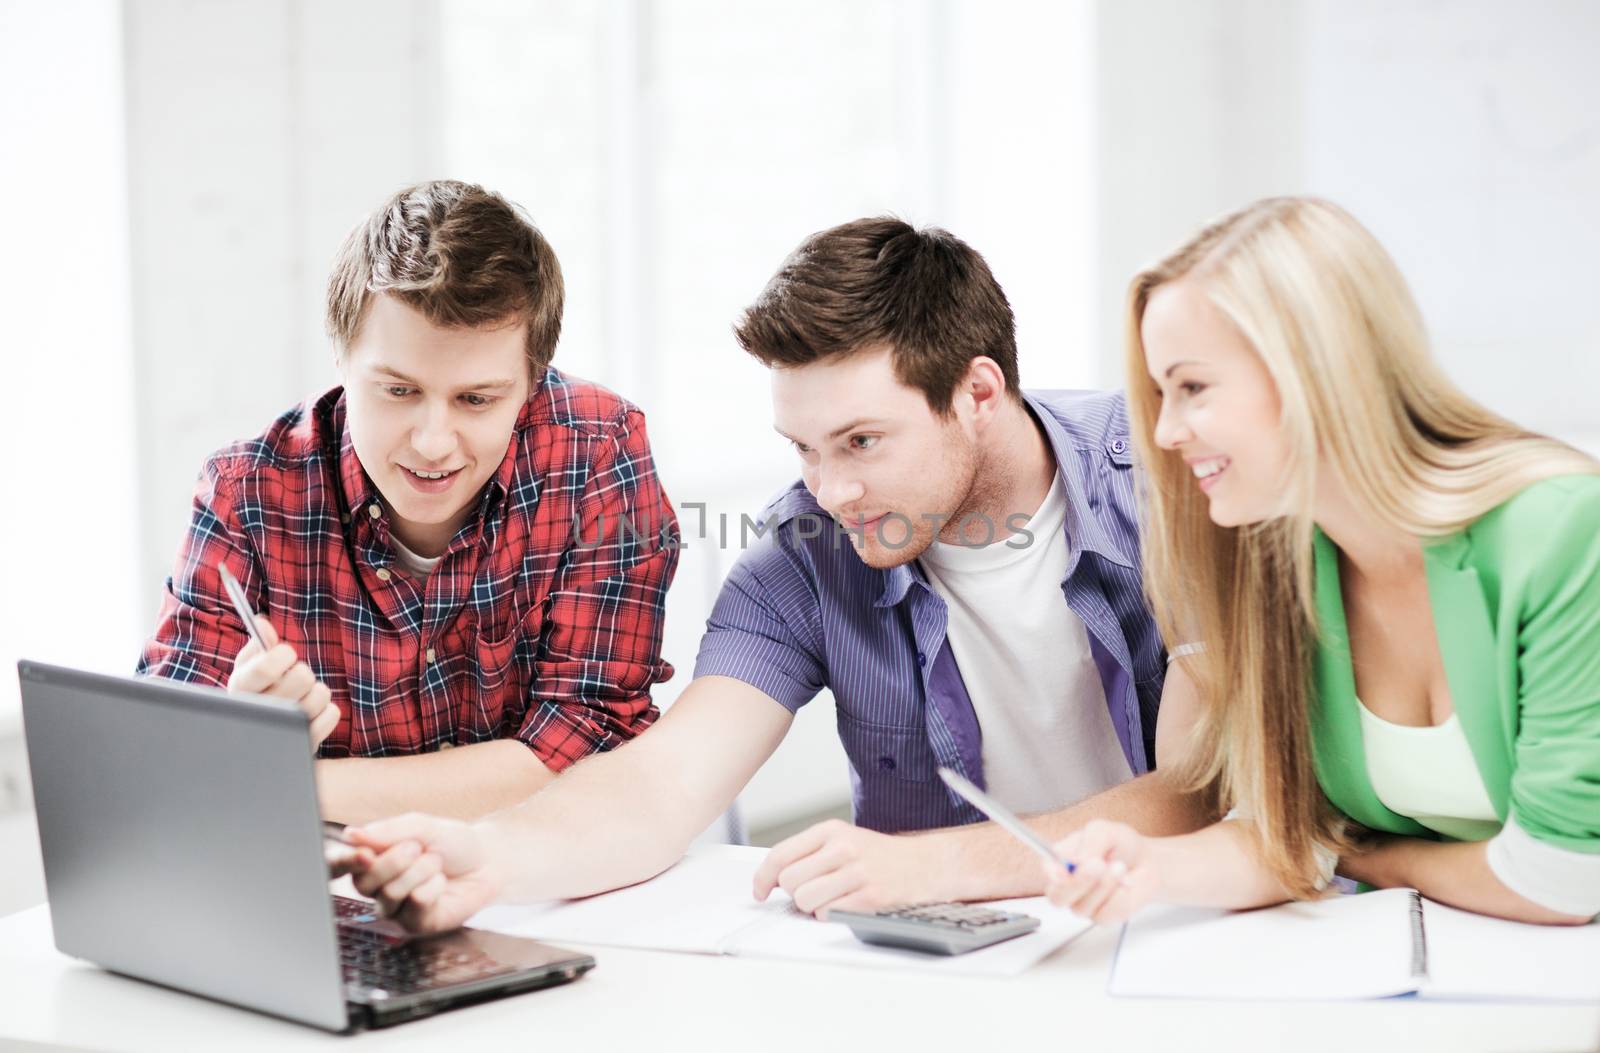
[1428, 774]
[1024, 656]
[413, 564]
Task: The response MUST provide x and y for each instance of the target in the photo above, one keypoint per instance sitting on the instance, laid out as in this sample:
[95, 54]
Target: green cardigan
[1516, 604]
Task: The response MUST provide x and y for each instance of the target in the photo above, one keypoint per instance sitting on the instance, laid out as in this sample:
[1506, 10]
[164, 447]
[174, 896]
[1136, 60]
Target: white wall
[1019, 179]
[1467, 136]
[1198, 111]
[71, 522]
[71, 486]
[1463, 134]
[258, 134]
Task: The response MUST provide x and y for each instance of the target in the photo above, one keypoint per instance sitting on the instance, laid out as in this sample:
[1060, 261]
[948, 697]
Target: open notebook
[703, 905]
[1375, 945]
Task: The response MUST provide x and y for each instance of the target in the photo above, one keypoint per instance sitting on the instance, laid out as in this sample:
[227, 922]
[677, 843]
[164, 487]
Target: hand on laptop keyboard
[431, 874]
[342, 858]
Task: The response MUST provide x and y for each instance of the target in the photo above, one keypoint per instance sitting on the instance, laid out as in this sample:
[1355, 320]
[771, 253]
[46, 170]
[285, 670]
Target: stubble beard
[971, 489]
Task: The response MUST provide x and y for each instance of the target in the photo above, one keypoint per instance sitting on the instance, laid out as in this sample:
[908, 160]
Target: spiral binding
[1419, 938]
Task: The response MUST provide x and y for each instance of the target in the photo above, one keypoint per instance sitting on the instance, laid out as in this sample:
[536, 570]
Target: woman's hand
[1108, 872]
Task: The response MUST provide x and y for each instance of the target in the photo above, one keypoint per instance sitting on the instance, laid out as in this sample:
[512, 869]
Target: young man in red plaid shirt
[460, 555]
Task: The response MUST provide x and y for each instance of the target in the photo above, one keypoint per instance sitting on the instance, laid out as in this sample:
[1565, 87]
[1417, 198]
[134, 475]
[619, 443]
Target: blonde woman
[1393, 594]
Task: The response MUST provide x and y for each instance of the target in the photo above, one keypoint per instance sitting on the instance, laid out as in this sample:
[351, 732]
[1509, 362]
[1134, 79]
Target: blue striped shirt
[800, 612]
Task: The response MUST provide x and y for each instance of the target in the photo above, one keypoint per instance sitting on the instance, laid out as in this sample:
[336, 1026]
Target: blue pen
[1002, 815]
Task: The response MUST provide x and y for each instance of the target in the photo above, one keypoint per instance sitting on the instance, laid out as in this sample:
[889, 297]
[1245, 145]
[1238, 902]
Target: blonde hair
[1332, 320]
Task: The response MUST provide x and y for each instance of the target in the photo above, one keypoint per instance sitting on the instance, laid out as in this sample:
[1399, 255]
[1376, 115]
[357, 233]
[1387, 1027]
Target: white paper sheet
[703, 905]
[1353, 947]
[695, 907]
[1470, 956]
[1342, 948]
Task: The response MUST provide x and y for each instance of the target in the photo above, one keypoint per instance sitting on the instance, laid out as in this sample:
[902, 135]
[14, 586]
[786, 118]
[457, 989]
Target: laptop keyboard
[381, 962]
[347, 909]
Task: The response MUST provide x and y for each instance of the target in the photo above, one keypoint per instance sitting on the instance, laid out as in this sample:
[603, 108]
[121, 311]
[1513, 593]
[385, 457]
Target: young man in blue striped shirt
[958, 565]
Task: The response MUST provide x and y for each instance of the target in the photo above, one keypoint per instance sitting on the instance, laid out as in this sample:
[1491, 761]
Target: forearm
[1219, 866]
[461, 783]
[1456, 874]
[984, 862]
[604, 824]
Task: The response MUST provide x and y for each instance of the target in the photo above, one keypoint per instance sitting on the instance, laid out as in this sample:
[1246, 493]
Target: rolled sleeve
[764, 628]
[1557, 879]
[600, 650]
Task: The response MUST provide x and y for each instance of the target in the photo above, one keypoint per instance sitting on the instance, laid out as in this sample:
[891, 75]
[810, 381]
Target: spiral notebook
[1375, 945]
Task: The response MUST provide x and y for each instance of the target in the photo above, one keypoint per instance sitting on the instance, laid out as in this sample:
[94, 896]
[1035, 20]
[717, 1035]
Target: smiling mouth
[431, 475]
[1208, 470]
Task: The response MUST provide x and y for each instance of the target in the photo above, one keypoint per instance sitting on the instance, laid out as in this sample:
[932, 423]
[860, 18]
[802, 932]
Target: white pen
[241, 604]
[1002, 815]
[1008, 821]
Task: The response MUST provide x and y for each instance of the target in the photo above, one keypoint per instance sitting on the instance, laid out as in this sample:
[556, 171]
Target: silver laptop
[182, 845]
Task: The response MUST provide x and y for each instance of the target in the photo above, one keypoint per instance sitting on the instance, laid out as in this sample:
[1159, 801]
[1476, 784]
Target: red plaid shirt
[527, 628]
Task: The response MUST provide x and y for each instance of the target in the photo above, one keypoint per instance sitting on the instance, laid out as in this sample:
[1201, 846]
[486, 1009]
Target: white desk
[644, 1001]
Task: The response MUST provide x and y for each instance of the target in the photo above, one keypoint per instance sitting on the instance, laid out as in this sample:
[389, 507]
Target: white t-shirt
[1024, 656]
[413, 564]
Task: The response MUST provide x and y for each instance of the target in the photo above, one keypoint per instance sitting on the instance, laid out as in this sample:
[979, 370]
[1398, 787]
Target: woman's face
[1220, 410]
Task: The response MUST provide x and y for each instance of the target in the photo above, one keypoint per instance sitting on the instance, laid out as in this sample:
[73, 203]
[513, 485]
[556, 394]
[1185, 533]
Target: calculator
[937, 928]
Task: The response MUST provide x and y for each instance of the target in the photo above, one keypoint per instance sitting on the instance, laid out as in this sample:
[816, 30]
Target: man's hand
[343, 858]
[280, 673]
[1112, 872]
[430, 873]
[837, 866]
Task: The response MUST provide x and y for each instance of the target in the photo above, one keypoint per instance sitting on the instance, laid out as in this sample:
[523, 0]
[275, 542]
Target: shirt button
[374, 510]
[922, 659]
[430, 655]
[886, 763]
[382, 573]
[1119, 447]
[344, 517]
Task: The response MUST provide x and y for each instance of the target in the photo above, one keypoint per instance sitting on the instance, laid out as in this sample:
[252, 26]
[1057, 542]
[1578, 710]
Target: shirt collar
[1084, 531]
[500, 482]
[897, 581]
[1075, 457]
[359, 493]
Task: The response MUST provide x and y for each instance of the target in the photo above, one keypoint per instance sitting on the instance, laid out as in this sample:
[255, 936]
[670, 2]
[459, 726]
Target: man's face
[421, 401]
[873, 453]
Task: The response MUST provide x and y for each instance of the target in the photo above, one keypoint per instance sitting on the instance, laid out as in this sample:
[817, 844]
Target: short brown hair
[926, 294]
[461, 255]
